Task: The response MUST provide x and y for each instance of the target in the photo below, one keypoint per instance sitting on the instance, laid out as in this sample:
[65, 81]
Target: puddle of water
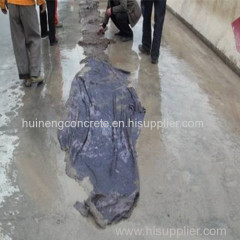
[70, 67]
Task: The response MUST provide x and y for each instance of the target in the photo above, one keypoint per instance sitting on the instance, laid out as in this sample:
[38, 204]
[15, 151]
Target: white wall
[212, 19]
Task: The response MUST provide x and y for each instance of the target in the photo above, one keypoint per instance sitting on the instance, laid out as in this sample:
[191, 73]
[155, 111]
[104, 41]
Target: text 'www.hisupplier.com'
[114, 124]
[175, 233]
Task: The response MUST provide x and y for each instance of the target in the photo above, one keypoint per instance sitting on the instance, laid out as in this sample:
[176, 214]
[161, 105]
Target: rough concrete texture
[188, 176]
[213, 20]
[94, 44]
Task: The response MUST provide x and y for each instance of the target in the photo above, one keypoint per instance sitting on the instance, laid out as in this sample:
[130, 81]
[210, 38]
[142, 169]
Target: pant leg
[56, 15]
[122, 23]
[43, 22]
[18, 40]
[147, 6]
[29, 19]
[51, 20]
[160, 10]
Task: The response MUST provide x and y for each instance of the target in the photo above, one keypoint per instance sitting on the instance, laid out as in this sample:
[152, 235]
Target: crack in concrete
[94, 44]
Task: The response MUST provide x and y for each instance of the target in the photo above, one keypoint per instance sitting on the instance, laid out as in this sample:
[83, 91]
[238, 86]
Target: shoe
[119, 34]
[28, 82]
[143, 50]
[44, 35]
[54, 43]
[126, 39]
[37, 80]
[154, 61]
[59, 25]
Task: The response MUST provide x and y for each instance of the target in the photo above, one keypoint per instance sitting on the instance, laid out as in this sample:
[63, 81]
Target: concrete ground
[189, 176]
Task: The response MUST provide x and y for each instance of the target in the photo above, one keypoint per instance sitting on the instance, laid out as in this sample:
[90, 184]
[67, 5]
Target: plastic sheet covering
[106, 155]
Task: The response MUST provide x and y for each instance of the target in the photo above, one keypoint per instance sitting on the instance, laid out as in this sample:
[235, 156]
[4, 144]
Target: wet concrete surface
[188, 176]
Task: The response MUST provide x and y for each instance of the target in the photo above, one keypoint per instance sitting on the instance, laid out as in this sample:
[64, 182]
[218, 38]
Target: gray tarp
[106, 155]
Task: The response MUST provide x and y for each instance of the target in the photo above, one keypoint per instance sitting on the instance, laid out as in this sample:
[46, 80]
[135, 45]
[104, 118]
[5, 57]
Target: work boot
[55, 42]
[143, 50]
[119, 34]
[37, 80]
[28, 82]
[154, 61]
[44, 35]
[127, 38]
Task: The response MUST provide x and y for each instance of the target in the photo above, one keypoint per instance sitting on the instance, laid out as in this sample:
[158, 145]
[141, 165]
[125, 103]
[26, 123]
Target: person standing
[148, 46]
[25, 37]
[57, 23]
[47, 22]
[123, 13]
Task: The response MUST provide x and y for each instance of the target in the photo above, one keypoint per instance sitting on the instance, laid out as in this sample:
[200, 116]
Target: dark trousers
[50, 19]
[160, 10]
[122, 23]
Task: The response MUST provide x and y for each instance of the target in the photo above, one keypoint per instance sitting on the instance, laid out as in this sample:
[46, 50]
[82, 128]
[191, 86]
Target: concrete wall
[212, 19]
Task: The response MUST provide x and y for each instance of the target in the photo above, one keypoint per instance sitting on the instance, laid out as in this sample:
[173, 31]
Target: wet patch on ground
[11, 93]
[94, 44]
[106, 156]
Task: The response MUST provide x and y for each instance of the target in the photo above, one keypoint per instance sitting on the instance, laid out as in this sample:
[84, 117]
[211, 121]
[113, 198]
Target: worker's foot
[154, 61]
[37, 80]
[127, 38]
[55, 42]
[143, 50]
[119, 34]
[44, 35]
[28, 82]
[59, 25]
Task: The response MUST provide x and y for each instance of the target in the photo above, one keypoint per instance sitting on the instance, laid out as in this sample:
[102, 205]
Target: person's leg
[57, 23]
[56, 15]
[51, 21]
[122, 23]
[113, 18]
[160, 10]
[147, 6]
[43, 22]
[18, 40]
[29, 19]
